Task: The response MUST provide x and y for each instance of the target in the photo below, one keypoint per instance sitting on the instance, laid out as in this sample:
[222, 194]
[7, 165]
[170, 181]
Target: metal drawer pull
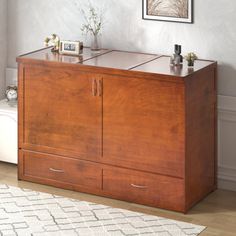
[138, 186]
[55, 170]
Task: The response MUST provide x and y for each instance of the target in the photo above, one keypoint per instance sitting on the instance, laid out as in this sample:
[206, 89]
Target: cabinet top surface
[162, 66]
[121, 60]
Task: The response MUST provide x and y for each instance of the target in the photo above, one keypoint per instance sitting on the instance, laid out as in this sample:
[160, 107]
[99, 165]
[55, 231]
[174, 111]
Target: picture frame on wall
[168, 10]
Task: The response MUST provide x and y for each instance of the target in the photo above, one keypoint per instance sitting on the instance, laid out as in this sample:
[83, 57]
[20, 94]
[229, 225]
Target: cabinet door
[144, 125]
[60, 112]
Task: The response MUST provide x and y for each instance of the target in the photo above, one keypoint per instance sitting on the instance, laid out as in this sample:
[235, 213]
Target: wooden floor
[217, 211]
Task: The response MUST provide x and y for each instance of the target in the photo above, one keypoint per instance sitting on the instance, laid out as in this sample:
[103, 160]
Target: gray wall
[3, 45]
[213, 36]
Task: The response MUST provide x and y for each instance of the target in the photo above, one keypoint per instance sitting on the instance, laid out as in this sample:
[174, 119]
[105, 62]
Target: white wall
[3, 45]
[212, 36]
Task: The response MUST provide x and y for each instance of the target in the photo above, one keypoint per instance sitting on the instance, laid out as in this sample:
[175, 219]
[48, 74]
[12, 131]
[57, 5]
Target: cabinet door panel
[144, 125]
[60, 114]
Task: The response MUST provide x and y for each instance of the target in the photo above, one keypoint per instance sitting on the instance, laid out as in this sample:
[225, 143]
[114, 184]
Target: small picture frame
[74, 48]
[168, 10]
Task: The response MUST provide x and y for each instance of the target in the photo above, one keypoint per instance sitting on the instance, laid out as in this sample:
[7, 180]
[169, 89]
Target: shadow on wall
[226, 79]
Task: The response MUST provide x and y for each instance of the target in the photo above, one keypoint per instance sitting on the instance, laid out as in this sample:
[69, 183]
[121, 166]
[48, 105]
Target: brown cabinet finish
[119, 124]
[144, 188]
[62, 112]
[201, 143]
[62, 170]
[135, 129]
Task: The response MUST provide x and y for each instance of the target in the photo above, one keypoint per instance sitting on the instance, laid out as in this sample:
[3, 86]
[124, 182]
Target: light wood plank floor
[217, 211]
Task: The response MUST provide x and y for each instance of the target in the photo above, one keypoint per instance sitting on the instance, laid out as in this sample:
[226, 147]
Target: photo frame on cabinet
[168, 10]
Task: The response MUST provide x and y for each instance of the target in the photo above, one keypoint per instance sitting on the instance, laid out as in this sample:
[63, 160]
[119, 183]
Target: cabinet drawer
[61, 170]
[154, 190]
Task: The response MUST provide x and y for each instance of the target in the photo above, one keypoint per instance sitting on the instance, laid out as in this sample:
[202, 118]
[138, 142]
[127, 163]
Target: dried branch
[94, 19]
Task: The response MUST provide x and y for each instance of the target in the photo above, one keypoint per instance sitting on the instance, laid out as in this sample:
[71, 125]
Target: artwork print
[168, 10]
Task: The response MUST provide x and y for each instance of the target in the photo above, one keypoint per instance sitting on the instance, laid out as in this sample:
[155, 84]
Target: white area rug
[25, 212]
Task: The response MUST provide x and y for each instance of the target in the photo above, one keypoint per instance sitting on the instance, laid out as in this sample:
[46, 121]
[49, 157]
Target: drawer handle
[139, 186]
[55, 170]
[100, 88]
[94, 87]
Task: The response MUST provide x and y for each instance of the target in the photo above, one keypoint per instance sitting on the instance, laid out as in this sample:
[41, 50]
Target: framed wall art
[168, 10]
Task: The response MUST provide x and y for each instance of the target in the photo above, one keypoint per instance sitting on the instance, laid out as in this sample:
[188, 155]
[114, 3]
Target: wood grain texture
[143, 125]
[120, 129]
[201, 141]
[20, 113]
[63, 170]
[138, 187]
[61, 112]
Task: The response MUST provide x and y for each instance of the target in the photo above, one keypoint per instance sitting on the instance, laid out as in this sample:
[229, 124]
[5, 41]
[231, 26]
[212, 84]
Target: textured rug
[25, 212]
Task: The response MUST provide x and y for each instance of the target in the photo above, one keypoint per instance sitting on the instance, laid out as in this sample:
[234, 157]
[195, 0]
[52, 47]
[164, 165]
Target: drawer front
[62, 170]
[154, 190]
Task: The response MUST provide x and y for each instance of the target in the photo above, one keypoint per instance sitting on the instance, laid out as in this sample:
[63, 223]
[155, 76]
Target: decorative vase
[95, 43]
[190, 63]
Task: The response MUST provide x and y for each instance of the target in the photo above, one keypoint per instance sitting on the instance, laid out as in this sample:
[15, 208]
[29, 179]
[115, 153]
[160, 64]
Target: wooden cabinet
[62, 112]
[119, 124]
